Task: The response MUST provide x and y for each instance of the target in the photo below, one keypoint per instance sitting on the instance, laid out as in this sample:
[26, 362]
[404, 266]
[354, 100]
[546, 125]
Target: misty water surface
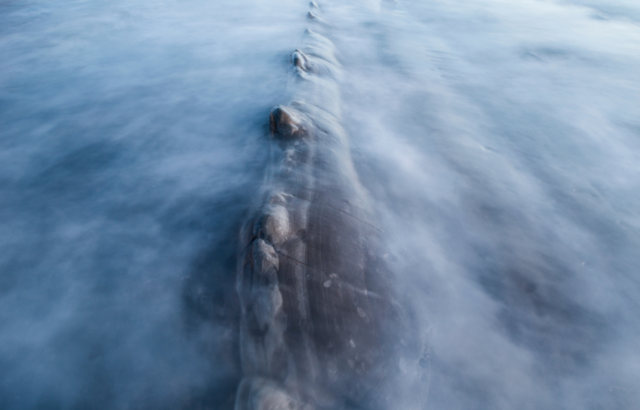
[498, 140]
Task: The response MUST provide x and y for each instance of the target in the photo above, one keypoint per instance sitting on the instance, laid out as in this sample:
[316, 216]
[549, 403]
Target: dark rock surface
[319, 322]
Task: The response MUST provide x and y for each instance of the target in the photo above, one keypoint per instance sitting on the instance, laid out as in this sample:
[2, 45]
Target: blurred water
[499, 140]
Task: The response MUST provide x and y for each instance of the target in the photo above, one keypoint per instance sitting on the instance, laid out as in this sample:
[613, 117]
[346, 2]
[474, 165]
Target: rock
[300, 60]
[286, 123]
[319, 321]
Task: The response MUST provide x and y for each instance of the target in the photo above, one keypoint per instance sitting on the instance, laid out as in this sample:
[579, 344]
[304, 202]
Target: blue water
[499, 141]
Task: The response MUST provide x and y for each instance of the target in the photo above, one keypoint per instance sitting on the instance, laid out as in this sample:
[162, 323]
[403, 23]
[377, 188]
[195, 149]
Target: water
[499, 141]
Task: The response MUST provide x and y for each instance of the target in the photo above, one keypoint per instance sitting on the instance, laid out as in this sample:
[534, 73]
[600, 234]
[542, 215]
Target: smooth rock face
[317, 310]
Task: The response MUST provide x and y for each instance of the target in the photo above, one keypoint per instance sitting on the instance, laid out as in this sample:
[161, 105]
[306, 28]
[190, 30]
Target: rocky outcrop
[319, 323]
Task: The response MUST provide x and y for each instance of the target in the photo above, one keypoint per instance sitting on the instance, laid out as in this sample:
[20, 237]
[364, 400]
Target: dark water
[500, 142]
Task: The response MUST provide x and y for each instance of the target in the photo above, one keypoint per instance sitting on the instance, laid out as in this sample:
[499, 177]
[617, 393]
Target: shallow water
[499, 142]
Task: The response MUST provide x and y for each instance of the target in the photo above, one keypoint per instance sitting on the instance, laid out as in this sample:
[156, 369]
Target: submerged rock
[319, 321]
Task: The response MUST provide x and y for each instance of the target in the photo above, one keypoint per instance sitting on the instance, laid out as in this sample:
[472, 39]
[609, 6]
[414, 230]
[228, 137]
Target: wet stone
[300, 60]
[286, 123]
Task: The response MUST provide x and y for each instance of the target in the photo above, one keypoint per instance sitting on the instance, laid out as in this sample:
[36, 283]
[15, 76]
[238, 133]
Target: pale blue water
[499, 140]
